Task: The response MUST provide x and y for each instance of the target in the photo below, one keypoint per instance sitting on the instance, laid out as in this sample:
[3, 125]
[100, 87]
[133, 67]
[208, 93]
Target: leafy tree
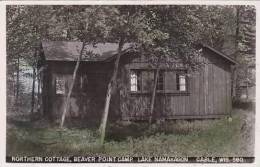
[245, 47]
[162, 32]
[20, 39]
[124, 24]
[91, 28]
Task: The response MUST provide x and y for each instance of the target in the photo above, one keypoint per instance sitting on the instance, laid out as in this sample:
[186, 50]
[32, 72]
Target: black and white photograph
[167, 83]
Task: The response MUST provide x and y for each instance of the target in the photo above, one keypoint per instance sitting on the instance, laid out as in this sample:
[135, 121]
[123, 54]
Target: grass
[180, 138]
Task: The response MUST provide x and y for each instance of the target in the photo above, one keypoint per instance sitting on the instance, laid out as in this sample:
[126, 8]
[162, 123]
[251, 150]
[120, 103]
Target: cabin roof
[229, 59]
[70, 50]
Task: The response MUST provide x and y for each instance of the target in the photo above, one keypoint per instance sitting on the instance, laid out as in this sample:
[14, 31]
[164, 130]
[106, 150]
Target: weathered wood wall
[87, 103]
[208, 96]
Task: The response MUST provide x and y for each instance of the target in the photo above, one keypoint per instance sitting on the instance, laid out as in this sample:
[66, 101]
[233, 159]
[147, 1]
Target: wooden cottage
[181, 93]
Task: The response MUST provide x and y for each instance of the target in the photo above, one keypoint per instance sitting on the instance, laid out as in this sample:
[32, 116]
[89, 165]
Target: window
[147, 80]
[64, 81]
[168, 82]
[160, 81]
[135, 83]
[60, 85]
[181, 82]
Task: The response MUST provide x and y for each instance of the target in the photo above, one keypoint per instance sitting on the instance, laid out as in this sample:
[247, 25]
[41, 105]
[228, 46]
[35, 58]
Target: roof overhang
[70, 51]
[227, 58]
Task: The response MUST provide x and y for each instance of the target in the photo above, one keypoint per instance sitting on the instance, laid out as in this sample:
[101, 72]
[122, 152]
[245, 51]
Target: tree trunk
[34, 74]
[38, 92]
[234, 71]
[247, 84]
[153, 95]
[247, 93]
[71, 86]
[234, 82]
[33, 87]
[110, 86]
[237, 27]
[17, 81]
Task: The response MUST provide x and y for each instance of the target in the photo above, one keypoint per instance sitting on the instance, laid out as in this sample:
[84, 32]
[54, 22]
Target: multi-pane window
[160, 81]
[168, 81]
[64, 81]
[60, 85]
[181, 82]
[135, 84]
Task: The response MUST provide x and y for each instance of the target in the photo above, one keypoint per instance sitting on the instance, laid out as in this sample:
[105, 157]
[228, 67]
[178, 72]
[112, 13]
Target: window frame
[164, 91]
[59, 78]
[138, 83]
[160, 81]
[79, 87]
[178, 82]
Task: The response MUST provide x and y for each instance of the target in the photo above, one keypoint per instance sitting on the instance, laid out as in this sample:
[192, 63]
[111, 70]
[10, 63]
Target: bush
[245, 105]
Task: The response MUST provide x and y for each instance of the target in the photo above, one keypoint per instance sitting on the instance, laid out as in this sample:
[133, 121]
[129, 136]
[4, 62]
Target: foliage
[245, 53]
[144, 25]
[246, 18]
[168, 31]
[163, 33]
[140, 24]
[199, 138]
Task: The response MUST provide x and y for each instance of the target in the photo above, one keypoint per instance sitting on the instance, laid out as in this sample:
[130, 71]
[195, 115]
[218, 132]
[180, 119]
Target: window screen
[135, 83]
[60, 85]
[160, 81]
[181, 82]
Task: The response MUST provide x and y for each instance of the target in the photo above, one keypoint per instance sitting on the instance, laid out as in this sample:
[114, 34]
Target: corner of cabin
[217, 85]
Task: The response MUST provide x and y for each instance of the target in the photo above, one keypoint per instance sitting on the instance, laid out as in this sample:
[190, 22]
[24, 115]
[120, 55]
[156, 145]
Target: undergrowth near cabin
[176, 138]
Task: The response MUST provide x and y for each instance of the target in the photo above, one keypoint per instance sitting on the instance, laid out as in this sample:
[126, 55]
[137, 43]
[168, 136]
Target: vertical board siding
[220, 95]
[195, 94]
[226, 91]
[209, 91]
[229, 93]
[216, 90]
[208, 107]
[201, 92]
[186, 105]
[224, 97]
[206, 91]
[87, 104]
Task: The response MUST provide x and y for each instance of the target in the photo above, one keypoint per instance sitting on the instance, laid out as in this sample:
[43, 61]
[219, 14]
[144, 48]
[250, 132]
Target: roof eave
[219, 53]
[114, 56]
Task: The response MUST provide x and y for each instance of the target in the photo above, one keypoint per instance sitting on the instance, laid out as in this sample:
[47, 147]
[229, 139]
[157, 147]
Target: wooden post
[110, 86]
